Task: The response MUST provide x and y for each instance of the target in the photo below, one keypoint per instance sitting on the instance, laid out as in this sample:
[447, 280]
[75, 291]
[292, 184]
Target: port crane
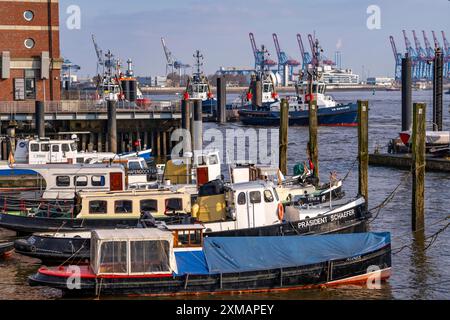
[172, 63]
[446, 55]
[414, 57]
[285, 63]
[68, 68]
[318, 57]
[260, 55]
[423, 65]
[100, 60]
[306, 56]
[398, 59]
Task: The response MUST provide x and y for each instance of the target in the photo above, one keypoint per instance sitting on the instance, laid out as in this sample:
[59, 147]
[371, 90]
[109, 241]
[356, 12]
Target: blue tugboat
[198, 88]
[266, 112]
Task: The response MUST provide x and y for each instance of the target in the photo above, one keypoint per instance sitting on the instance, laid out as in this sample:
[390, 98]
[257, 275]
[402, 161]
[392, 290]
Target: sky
[220, 28]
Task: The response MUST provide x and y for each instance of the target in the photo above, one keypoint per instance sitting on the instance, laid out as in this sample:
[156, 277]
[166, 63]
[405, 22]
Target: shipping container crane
[285, 63]
[414, 57]
[436, 41]
[260, 55]
[171, 62]
[446, 56]
[398, 59]
[100, 60]
[423, 65]
[306, 56]
[318, 57]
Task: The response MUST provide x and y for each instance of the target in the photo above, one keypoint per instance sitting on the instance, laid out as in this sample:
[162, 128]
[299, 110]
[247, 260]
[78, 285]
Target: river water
[418, 271]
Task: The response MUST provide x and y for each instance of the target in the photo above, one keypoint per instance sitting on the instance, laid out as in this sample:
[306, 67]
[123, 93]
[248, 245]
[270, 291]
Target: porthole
[29, 43]
[28, 15]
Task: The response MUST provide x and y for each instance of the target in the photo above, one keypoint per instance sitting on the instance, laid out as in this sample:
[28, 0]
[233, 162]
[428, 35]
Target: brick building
[30, 64]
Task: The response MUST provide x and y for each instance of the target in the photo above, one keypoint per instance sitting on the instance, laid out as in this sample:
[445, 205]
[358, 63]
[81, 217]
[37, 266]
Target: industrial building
[380, 81]
[31, 63]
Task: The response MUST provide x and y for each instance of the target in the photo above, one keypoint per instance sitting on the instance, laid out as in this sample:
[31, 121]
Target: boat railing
[88, 106]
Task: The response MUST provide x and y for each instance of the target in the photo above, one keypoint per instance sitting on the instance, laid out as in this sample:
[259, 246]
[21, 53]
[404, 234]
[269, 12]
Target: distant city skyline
[219, 29]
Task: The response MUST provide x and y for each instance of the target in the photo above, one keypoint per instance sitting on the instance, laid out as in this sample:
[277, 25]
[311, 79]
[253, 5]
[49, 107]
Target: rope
[350, 170]
[74, 254]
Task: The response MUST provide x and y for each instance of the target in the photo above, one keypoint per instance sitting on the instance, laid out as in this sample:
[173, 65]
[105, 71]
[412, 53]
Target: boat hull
[6, 248]
[353, 270]
[341, 115]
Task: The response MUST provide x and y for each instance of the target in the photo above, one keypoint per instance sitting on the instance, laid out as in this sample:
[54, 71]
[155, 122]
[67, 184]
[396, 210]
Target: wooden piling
[112, 127]
[418, 166]
[437, 90]
[40, 119]
[284, 125]
[406, 93]
[313, 147]
[221, 100]
[198, 126]
[363, 149]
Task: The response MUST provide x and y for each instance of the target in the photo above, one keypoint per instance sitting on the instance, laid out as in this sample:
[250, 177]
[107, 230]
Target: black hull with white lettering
[352, 270]
[352, 218]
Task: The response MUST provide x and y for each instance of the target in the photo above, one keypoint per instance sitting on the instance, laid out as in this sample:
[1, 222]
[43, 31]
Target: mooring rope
[350, 170]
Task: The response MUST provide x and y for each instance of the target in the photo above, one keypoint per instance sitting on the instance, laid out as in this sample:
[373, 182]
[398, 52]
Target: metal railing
[88, 106]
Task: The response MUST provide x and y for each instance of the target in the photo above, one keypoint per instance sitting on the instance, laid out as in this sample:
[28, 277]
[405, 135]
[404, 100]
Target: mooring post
[313, 147]
[112, 126]
[256, 91]
[437, 90]
[363, 149]
[418, 166]
[198, 125]
[284, 125]
[221, 100]
[40, 119]
[186, 115]
[406, 93]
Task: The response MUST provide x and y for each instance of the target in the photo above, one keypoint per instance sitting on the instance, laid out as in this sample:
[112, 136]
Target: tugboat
[329, 112]
[198, 88]
[180, 261]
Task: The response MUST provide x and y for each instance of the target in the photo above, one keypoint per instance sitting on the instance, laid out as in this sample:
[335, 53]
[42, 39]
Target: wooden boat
[6, 248]
[151, 262]
[102, 210]
[224, 212]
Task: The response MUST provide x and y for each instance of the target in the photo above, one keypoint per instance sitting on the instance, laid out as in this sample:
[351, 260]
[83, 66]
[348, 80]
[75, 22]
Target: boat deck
[403, 161]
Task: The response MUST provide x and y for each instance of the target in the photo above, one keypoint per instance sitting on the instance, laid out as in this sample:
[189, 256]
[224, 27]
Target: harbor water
[420, 269]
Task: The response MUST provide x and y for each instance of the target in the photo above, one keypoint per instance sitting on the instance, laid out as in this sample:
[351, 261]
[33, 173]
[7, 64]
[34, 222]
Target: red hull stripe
[86, 273]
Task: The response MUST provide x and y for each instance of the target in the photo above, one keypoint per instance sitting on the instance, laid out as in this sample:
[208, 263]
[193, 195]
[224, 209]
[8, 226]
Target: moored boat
[152, 262]
[6, 249]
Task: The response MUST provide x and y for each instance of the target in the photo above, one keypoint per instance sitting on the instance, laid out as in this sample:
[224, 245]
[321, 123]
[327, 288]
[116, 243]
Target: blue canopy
[191, 262]
[239, 254]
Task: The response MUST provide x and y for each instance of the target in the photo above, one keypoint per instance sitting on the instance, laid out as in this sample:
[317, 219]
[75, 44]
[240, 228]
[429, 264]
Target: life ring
[280, 211]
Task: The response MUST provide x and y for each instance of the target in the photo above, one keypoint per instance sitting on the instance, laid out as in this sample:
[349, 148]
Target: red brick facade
[25, 63]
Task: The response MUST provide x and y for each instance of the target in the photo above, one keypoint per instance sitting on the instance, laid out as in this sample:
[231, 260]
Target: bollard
[112, 126]
[363, 149]
[40, 119]
[437, 90]
[221, 100]
[406, 93]
[284, 125]
[198, 126]
[418, 166]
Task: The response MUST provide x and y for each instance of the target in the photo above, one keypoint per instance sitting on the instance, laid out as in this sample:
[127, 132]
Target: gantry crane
[398, 59]
[306, 56]
[171, 62]
[261, 55]
[285, 63]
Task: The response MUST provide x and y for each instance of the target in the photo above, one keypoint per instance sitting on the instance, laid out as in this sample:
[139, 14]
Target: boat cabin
[132, 252]
[160, 203]
[45, 151]
[198, 88]
[237, 206]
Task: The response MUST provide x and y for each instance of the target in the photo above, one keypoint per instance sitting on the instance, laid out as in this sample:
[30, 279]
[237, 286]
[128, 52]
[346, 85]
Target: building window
[28, 15]
[29, 43]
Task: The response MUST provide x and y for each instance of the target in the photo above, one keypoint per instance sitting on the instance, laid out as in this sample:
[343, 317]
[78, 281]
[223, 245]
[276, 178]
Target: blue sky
[133, 28]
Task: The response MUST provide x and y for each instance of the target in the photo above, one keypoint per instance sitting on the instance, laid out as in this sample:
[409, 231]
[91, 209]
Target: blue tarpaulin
[191, 262]
[240, 254]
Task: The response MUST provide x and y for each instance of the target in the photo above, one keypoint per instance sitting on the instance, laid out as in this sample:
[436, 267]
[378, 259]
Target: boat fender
[280, 211]
[33, 248]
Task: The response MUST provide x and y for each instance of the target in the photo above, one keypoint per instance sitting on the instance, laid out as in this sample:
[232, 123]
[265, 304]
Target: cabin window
[55, 148]
[123, 206]
[134, 165]
[63, 181]
[149, 206]
[241, 198]
[65, 147]
[98, 181]
[73, 146]
[34, 147]
[213, 160]
[98, 207]
[174, 204]
[276, 194]
[80, 181]
[188, 238]
[113, 257]
[149, 256]
[268, 196]
[80, 160]
[255, 197]
[45, 147]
